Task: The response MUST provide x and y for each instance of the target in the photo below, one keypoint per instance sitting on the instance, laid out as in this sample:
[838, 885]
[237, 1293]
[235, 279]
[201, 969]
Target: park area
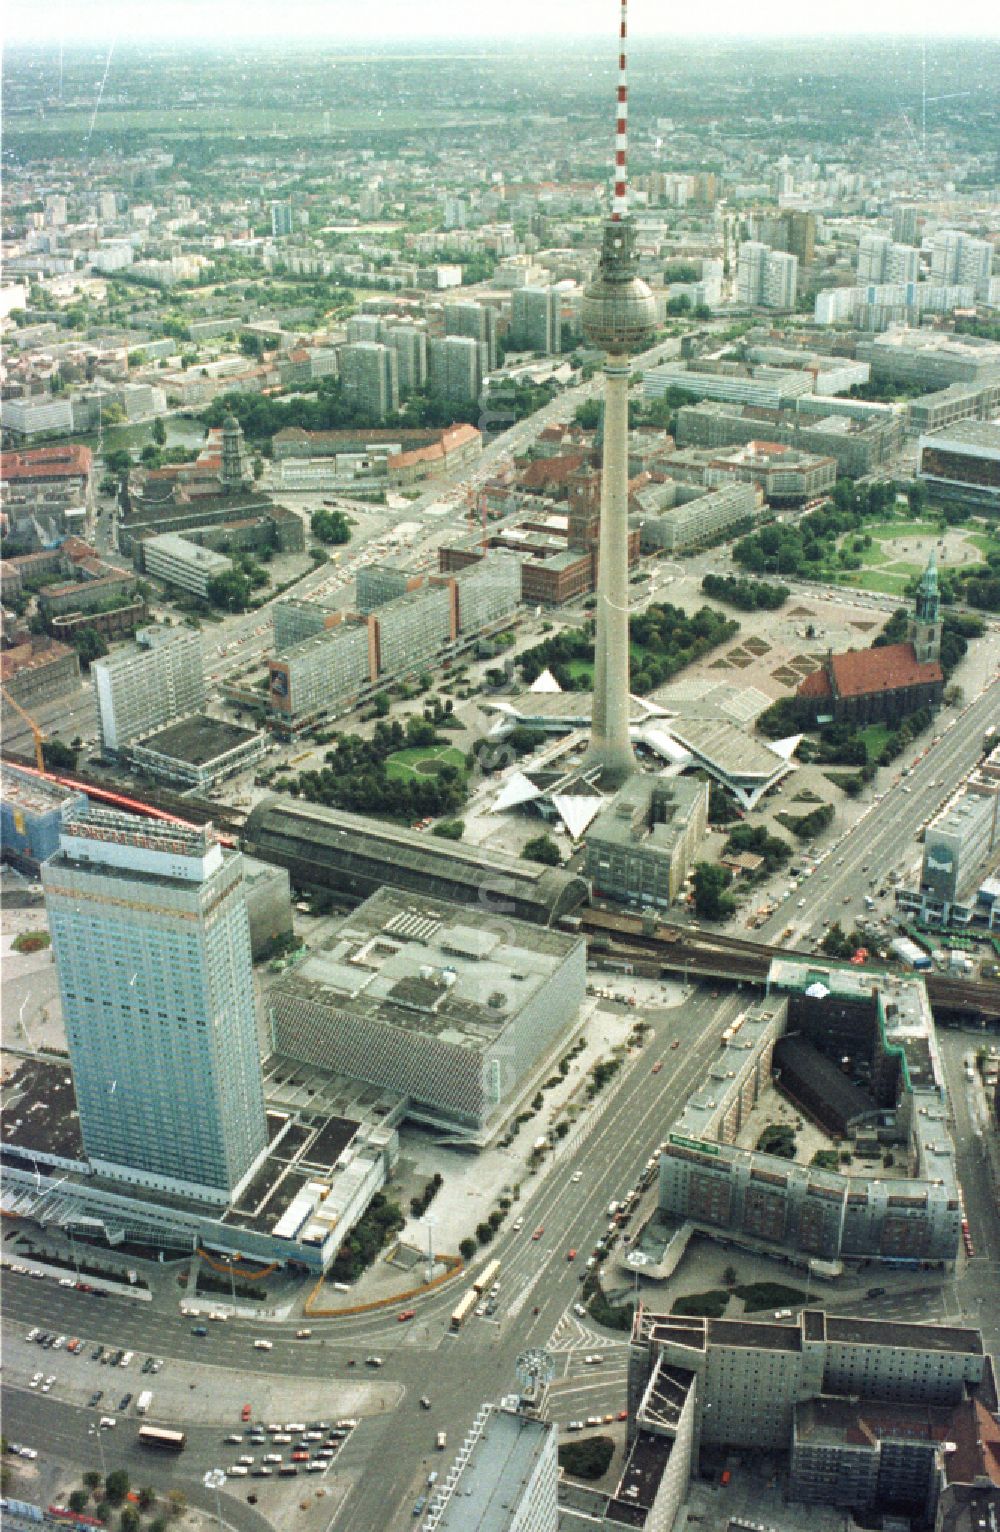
[899, 550]
[422, 762]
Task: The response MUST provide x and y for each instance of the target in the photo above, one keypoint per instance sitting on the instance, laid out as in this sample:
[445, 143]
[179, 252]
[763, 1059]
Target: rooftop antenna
[619, 204]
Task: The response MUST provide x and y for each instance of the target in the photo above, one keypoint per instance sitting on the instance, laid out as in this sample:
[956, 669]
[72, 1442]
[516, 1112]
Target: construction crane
[36, 732]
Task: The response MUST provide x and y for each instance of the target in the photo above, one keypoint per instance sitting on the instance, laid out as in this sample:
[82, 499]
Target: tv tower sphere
[618, 312]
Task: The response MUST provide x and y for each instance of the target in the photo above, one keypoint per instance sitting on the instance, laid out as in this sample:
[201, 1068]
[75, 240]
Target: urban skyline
[182, 19]
[500, 798]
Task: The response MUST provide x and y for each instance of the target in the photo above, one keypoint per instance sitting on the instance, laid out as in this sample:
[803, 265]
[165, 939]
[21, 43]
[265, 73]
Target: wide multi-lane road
[885, 838]
[391, 1452]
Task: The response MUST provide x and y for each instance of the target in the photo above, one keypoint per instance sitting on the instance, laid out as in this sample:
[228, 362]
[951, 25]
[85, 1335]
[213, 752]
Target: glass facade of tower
[152, 944]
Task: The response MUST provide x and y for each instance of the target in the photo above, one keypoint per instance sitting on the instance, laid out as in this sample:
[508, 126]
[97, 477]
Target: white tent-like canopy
[517, 789]
[577, 811]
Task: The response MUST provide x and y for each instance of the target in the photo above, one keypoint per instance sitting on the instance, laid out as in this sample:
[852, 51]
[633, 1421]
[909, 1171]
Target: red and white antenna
[619, 206]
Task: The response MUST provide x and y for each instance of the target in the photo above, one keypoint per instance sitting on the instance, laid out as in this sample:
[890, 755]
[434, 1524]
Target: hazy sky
[98, 21]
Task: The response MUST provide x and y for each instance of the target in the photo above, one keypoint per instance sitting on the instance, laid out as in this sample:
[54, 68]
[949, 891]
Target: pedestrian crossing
[572, 1334]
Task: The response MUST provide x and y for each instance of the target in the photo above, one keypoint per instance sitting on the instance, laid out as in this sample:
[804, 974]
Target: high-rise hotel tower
[152, 945]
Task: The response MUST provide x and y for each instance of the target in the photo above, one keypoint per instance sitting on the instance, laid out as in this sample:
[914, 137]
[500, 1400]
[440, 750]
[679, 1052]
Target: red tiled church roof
[859, 672]
[815, 685]
[886, 669]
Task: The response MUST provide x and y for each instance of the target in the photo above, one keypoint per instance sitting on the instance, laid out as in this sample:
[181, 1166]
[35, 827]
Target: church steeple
[236, 472]
[928, 596]
[925, 624]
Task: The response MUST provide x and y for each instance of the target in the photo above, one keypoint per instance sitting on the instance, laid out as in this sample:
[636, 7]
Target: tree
[147, 1497]
[230, 590]
[330, 526]
[588, 414]
[176, 1502]
[159, 432]
[542, 848]
[835, 944]
[57, 756]
[92, 1479]
[449, 829]
[420, 732]
[116, 1485]
[78, 1500]
[710, 898]
[129, 1520]
[381, 704]
[467, 1248]
[587, 1459]
[118, 461]
[89, 645]
[729, 1276]
[916, 494]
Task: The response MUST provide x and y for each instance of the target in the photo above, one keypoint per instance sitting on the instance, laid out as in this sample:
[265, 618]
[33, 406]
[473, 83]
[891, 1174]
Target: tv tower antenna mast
[618, 314]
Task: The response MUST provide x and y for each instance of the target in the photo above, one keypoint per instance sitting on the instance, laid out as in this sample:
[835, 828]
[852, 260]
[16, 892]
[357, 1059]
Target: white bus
[464, 1308]
[486, 1277]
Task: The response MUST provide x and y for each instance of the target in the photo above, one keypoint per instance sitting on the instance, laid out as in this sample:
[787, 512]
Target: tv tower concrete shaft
[609, 737]
[618, 314]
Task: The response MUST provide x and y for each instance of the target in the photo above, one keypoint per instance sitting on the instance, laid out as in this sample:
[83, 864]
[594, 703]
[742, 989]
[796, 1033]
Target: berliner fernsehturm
[619, 315]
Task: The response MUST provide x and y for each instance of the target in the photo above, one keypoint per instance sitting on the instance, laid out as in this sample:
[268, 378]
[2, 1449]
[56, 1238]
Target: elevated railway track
[616, 939]
[628, 941]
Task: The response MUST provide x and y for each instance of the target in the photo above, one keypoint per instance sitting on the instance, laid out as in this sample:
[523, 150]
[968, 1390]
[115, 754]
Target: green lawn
[983, 541]
[876, 579]
[422, 762]
[875, 555]
[578, 668]
[884, 531]
[874, 737]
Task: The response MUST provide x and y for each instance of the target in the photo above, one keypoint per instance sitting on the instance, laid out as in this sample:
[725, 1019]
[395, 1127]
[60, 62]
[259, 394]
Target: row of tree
[747, 595]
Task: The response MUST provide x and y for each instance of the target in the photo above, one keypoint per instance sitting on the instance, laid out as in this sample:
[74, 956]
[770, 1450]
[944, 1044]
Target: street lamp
[429, 1222]
[215, 1479]
[96, 1431]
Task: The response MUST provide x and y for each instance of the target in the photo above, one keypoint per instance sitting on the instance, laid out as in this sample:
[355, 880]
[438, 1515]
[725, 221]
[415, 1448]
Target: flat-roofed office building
[452, 1007]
